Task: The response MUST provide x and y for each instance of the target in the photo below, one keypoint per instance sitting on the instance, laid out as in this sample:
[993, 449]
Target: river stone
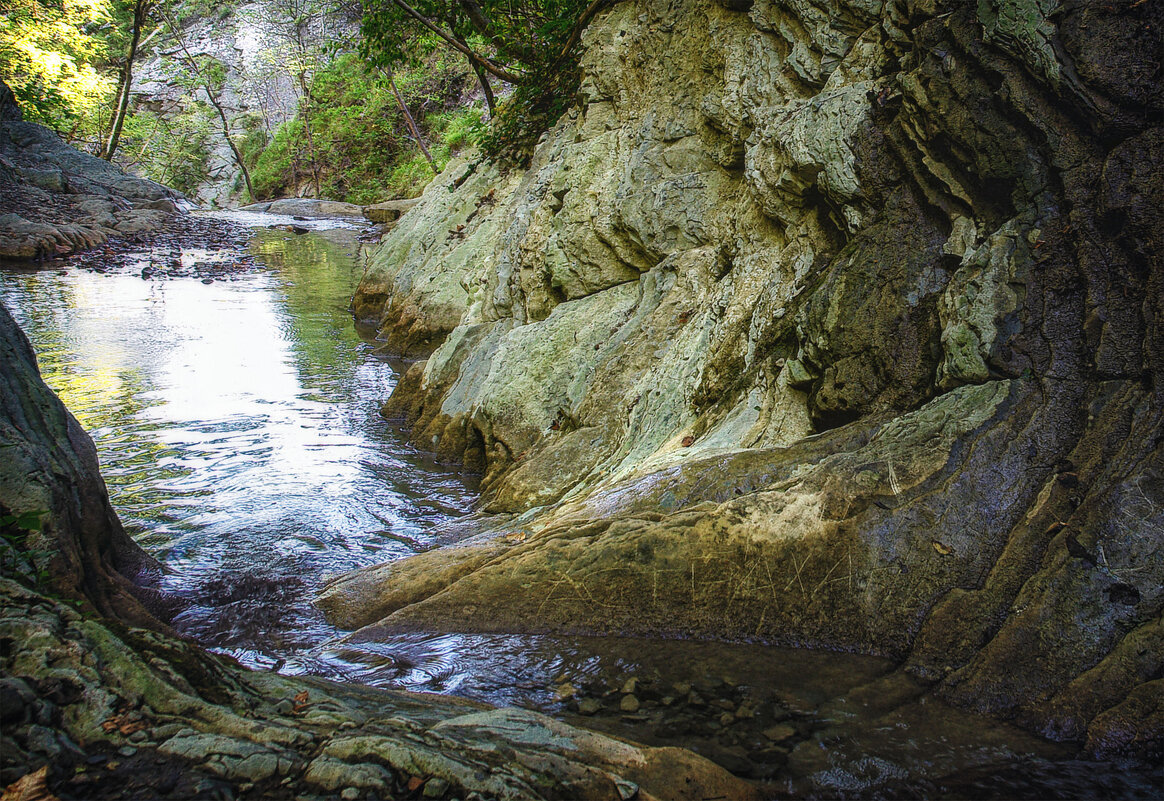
[435, 788]
[390, 210]
[333, 774]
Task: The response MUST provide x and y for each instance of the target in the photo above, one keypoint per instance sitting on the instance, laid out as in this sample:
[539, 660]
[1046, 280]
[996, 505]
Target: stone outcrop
[99, 700]
[828, 324]
[308, 207]
[56, 200]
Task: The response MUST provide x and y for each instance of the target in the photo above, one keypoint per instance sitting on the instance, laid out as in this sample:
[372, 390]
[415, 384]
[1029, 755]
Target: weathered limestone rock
[389, 211]
[56, 200]
[77, 686]
[834, 325]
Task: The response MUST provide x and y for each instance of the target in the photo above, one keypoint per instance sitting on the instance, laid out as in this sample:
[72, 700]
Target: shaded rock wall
[835, 324]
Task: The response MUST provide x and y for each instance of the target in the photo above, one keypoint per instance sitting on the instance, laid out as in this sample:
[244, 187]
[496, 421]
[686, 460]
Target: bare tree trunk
[208, 87]
[307, 131]
[411, 123]
[140, 8]
[482, 78]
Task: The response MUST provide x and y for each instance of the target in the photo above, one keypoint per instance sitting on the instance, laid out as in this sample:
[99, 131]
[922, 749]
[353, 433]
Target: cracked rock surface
[826, 324]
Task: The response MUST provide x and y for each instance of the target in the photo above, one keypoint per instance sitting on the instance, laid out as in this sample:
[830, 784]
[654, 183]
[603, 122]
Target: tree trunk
[213, 97]
[483, 79]
[140, 9]
[411, 123]
[304, 111]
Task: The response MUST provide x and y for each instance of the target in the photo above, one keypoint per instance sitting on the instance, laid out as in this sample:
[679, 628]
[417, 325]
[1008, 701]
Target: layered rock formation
[828, 324]
[56, 200]
[98, 699]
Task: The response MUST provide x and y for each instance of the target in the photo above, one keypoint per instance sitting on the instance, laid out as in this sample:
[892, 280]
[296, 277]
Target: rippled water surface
[238, 432]
[237, 426]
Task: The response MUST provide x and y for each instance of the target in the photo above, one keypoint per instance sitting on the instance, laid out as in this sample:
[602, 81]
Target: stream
[235, 413]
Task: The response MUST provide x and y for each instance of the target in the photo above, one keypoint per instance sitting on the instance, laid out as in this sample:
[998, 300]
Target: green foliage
[53, 54]
[457, 129]
[364, 149]
[530, 43]
[170, 148]
[410, 176]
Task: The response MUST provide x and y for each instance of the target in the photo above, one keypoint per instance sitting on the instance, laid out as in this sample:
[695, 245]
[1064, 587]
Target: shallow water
[237, 427]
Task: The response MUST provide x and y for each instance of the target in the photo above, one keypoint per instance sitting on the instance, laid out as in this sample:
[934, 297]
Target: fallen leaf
[414, 783]
[301, 703]
[688, 441]
[944, 550]
[29, 787]
[1055, 528]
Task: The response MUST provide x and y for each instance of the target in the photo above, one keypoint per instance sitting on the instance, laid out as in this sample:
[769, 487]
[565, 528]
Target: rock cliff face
[835, 324]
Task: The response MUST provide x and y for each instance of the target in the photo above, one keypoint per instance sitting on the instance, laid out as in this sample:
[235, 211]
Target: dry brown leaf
[414, 783]
[944, 550]
[688, 441]
[30, 787]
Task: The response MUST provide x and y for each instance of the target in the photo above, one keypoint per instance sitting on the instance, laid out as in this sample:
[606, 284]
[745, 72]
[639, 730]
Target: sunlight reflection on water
[237, 428]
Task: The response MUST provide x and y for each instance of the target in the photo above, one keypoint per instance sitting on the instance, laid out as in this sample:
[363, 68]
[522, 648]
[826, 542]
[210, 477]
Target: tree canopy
[529, 44]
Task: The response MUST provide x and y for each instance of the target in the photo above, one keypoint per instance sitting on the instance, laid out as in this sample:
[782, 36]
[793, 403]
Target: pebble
[350, 794]
[780, 732]
[589, 706]
[630, 686]
[436, 787]
[626, 790]
[208, 280]
[629, 703]
[127, 750]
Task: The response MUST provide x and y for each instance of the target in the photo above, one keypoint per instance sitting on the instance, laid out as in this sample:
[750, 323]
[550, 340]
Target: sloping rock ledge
[829, 324]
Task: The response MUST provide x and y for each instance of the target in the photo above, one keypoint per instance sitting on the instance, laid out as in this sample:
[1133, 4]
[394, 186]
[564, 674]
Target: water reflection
[237, 429]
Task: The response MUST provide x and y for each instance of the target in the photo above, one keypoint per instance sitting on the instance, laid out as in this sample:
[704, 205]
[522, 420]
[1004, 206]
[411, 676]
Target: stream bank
[251, 473]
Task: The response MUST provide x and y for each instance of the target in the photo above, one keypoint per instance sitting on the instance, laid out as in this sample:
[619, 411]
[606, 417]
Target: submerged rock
[838, 329]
